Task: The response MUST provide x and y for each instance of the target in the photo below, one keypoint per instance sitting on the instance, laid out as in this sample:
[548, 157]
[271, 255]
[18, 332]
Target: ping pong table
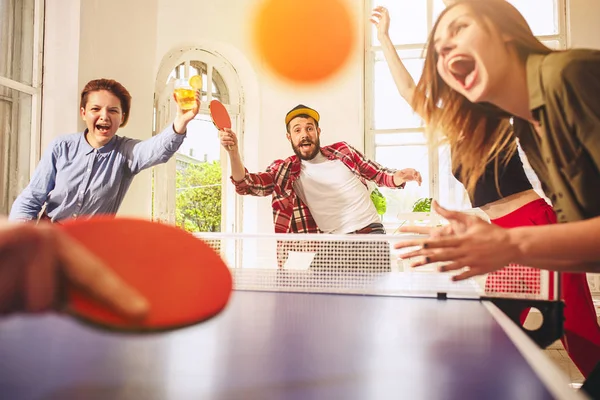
[294, 334]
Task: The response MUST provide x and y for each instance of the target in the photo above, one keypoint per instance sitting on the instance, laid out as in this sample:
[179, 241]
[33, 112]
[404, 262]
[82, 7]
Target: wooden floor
[558, 354]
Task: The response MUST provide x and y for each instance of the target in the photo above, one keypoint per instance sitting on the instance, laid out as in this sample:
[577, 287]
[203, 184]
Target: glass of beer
[185, 94]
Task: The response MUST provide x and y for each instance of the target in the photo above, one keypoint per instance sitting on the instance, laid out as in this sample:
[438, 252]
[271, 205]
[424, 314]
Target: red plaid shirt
[290, 214]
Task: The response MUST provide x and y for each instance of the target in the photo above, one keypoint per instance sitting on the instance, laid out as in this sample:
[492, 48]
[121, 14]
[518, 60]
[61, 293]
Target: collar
[101, 151]
[328, 152]
[296, 162]
[535, 87]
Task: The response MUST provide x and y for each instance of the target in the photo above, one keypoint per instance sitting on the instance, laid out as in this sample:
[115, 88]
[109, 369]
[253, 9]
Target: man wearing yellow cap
[319, 189]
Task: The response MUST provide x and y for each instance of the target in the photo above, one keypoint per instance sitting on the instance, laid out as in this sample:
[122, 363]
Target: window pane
[199, 177]
[198, 201]
[553, 44]
[202, 140]
[390, 109]
[452, 193]
[15, 145]
[541, 15]
[400, 157]
[408, 21]
[16, 39]
[404, 139]
[220, 89]
[438, 7]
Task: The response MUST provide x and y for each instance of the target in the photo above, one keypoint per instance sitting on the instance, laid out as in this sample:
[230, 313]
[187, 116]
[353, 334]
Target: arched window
[193, 189]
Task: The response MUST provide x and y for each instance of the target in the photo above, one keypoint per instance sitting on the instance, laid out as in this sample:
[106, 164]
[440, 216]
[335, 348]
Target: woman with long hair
[487, 81]
[506, 197]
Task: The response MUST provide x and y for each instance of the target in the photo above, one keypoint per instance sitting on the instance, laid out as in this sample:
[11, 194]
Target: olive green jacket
[564, 96]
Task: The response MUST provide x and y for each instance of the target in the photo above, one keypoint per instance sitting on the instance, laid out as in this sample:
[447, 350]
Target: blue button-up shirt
[77, 180]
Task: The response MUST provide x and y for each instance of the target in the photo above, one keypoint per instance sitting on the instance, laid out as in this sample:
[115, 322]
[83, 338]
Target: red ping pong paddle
[184, 280]
[219, 116]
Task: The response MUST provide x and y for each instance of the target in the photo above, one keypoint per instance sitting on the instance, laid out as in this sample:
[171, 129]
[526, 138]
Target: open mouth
[102, 128]
[305, 145]
[463, 70]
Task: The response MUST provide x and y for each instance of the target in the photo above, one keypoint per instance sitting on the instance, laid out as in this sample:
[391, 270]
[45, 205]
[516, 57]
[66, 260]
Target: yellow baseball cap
[299, 110]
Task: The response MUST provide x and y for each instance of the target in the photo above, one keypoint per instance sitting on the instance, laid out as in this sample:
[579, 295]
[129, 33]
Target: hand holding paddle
[183, 279]
[118, 274]
[36, 259]
[220, 118]
[228, 139]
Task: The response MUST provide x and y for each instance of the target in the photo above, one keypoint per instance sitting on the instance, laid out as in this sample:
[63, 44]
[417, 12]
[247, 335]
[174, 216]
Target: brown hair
[112, 86]
[476, 132]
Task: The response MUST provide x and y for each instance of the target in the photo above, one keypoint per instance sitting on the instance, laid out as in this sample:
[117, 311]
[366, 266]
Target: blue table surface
[269, 345]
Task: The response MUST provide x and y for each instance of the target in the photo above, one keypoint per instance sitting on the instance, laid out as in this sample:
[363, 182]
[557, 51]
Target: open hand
[407, 175]
[468, 242]
[381, 19]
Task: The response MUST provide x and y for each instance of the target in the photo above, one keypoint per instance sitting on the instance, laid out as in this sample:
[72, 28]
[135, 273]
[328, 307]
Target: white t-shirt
[337, 199]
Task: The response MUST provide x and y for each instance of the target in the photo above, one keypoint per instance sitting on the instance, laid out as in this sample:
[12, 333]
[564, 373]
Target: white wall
[118, 42]
[584, 23]
[60, 101]
[126, 40]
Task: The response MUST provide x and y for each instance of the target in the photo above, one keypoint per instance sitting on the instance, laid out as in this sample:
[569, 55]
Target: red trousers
[582, 333]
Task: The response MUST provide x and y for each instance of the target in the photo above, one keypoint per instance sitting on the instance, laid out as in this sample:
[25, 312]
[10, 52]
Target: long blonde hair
[476, 132]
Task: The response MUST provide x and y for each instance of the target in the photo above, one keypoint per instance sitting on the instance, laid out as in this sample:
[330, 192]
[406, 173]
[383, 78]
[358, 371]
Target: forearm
[155, 150]
[180, 125]
[565, 265]
[28, 204]
[575, 242]
[403, 80]
[238, 171]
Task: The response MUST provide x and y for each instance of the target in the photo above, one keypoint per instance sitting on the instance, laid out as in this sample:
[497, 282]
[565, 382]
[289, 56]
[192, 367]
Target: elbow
[408, 93]
[19, 214]
[165, 158]
[23, 210]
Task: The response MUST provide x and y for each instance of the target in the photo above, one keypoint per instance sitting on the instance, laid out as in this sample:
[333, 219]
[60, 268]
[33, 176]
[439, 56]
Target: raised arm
[29, 203]
[377, 173]
[159, 149]
[230, 143]
[258, 184]
[404, 82]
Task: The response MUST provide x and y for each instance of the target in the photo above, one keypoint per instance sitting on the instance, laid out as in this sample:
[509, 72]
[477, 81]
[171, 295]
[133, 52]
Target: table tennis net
[366, 264]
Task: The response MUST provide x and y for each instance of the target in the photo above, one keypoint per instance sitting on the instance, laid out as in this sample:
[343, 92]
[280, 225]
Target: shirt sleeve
[373, 171]
[29, 203]
[258, 184]
[142, 154]
[581, 93]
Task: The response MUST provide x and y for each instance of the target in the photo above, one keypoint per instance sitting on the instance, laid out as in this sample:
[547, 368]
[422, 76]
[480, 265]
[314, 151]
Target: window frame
[369, 87]
[26, 153]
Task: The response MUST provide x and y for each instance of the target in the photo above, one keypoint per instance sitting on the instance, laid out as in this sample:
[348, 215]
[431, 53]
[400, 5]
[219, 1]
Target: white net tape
[366, 264]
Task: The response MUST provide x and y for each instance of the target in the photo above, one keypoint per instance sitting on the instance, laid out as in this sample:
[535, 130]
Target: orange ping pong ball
[304, 41]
